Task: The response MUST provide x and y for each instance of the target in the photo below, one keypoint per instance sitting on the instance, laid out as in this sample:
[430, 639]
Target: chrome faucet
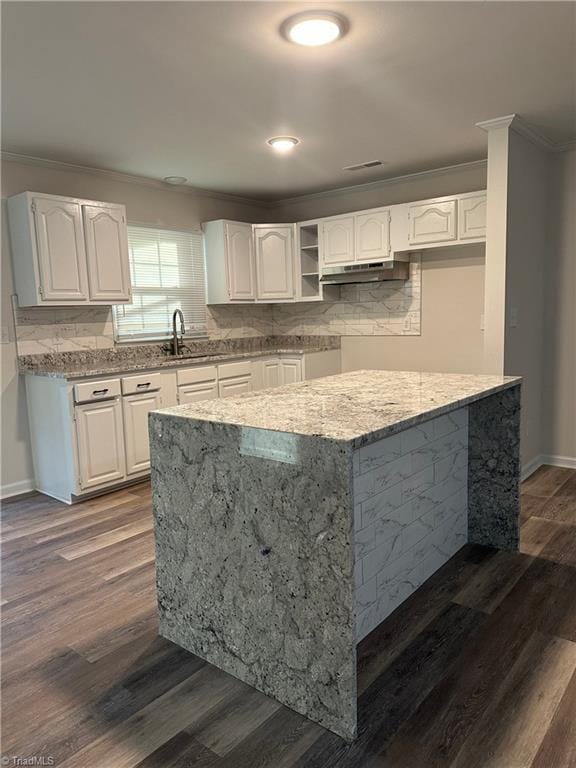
[177, 343]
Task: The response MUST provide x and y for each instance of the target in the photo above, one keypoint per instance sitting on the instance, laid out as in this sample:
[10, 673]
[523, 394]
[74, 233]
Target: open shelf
[310, 286]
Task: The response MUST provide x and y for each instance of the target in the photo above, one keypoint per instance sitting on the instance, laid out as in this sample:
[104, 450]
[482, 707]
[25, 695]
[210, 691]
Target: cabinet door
[372, 236]
[291, 370]
[192, 393]
[472, 217]
[337, 243]
[240, 262]
[233, 387]
[271, 373]
[136, 409]
[61, 253]
[107, 253]
[432, 222]
[100, 443]
[274, 262]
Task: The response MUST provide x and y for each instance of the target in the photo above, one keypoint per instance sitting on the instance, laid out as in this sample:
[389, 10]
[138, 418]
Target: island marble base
[255, 546]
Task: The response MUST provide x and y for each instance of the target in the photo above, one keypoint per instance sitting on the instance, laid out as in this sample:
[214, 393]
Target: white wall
[145, 203]
[527, 252]
[559, 394]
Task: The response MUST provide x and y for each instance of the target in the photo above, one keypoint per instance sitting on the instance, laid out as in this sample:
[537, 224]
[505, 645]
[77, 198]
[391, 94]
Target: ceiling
[195, 88]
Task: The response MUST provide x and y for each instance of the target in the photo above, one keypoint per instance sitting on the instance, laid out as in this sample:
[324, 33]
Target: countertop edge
[364, 439]
[149, 365]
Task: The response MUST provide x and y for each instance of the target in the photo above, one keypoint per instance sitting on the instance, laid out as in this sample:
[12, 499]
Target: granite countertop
[357, 407]
[90, 363]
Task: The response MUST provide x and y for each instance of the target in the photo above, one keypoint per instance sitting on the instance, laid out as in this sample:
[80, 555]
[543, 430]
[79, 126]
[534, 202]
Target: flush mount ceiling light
[283, 144]
[314, 28]
[175, 180]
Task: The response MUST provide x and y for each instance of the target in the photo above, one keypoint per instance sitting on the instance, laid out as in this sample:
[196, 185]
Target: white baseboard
[14, 489]
[569, 462]
[531, 467]
[560, 461]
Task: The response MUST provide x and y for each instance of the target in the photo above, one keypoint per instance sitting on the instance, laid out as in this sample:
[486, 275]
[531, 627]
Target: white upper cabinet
[230, 263]
[274, 262]
[472, 217]
[286, 262]
[67, 251]
[107, 253]
[337, 241]
[432, 222]
[61, 252]
[240, 261]
[372, 234]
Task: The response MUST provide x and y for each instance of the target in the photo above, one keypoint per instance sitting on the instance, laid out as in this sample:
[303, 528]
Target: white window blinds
[167, 270]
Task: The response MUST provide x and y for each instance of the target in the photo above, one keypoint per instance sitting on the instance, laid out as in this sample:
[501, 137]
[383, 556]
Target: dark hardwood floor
[477, 670]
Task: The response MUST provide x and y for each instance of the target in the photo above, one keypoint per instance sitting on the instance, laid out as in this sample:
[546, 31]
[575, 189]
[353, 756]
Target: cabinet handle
[143, 385]
[99, 391]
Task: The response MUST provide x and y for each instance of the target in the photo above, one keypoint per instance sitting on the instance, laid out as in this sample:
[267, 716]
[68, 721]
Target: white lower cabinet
[136, 409]
[271, 373]
[90, 436]
[100, 442]
[290, 370]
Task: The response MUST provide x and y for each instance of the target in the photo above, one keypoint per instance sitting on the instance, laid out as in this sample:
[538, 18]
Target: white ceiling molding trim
[270, 204]
[520, 126]
[129, 178]
[381, 183]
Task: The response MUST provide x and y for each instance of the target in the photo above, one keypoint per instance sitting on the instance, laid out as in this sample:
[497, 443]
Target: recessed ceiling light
[175, 180]
[283, 143]
[314, 28]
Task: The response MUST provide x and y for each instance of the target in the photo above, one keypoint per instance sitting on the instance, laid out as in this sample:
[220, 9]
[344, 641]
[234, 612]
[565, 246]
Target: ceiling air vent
[362, 166]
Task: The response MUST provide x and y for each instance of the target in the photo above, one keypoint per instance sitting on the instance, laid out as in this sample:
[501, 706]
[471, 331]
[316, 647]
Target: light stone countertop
[358, 407]
[155, 363]
[133, 358]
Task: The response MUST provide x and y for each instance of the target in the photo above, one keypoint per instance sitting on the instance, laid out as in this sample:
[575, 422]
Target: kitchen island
[290, 522]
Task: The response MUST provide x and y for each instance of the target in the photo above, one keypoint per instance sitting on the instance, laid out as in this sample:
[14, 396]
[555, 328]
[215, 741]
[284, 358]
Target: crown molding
[129, 178]
[520, 126]
[379, 184]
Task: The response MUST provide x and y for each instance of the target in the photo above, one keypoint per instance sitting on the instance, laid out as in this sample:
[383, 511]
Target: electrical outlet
[513, 319]
[481, 322]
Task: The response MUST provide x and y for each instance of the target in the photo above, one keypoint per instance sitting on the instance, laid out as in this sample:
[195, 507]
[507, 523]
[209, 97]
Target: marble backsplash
[370, 309]
[391, 308]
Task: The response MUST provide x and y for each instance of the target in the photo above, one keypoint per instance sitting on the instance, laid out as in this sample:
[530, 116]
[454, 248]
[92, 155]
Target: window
[167, 271]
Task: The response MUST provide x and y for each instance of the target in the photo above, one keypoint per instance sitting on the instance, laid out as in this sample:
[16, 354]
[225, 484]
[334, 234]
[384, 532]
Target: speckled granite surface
[254, 559]
[255, 527]
[360, 407]
[494, 470]
[135, 357]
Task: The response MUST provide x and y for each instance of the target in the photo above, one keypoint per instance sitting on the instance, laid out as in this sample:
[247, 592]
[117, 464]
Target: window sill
[157, 339]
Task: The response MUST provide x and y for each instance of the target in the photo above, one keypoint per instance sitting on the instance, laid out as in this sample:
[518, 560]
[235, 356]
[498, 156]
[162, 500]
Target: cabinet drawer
[232, 370]
[197, 375]
[145, 382]
[96, 390]
[235, 386]
[192, 393]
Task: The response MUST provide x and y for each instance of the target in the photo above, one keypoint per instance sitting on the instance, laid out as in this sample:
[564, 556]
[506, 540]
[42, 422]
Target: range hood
[366, 273]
